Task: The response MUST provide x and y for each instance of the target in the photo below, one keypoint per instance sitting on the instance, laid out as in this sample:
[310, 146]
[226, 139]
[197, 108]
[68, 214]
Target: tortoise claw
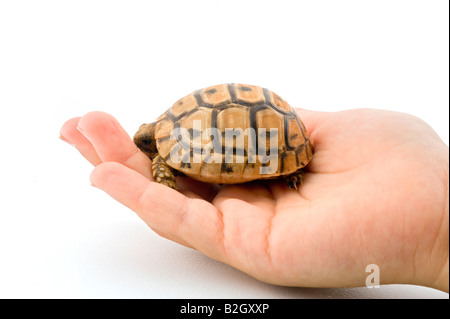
[294, 179]
[295, 186]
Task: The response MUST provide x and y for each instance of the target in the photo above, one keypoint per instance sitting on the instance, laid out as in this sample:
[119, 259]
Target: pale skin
[376, 192]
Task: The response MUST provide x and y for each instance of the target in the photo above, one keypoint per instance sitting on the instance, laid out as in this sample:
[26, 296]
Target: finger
[189, 221]
[312, 121]
[112, 142]
[311, 118]
[126, 186]
[197, 189]
[254, 193]
[71, 135]
[287, 198]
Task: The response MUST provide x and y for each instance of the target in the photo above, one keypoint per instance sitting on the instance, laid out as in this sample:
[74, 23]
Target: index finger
[112, 142]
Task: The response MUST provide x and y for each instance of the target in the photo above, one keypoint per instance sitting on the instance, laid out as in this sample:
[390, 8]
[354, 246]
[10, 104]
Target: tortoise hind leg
[295, 179]
[162, 173]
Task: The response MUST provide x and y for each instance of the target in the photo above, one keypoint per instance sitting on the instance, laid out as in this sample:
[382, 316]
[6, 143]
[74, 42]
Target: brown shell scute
[233, 106]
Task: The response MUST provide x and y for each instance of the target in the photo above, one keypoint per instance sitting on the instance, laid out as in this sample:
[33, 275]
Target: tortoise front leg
[162, 173]
[295, 179]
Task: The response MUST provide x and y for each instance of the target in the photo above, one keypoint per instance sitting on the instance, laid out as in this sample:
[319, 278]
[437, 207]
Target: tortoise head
[145, 139]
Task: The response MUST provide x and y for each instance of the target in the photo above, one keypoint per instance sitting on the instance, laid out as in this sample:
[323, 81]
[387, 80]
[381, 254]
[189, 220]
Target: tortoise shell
[239, 109]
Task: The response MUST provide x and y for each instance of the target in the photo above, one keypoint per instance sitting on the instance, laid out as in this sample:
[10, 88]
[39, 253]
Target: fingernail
[62, 138]
[80, 129]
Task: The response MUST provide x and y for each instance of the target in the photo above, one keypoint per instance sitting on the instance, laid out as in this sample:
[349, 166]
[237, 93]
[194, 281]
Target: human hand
[376, 192]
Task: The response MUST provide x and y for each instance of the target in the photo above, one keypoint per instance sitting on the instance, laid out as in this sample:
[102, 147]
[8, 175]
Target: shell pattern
[233, 155]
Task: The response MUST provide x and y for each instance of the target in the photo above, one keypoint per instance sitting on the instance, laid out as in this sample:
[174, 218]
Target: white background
[60, 237]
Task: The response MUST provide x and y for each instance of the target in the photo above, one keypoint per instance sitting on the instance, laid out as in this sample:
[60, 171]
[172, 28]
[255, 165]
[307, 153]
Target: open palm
[371, 195]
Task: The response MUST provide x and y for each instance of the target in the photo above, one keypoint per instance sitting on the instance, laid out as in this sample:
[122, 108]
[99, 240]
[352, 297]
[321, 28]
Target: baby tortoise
[227, 134]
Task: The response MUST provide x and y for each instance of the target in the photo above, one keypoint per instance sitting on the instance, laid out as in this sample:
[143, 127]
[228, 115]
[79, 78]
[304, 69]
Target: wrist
[432, 255]
[442, 279]
[442, 276]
